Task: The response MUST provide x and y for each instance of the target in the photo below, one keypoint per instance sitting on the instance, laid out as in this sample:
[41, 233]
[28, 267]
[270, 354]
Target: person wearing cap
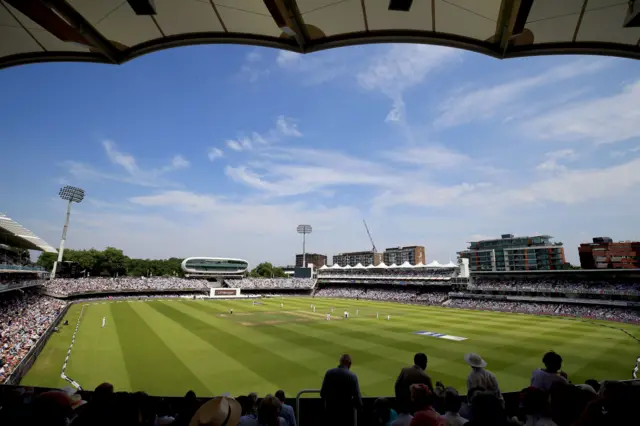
[219, 411]
[340, 393]
[479, 377]
[409, 376]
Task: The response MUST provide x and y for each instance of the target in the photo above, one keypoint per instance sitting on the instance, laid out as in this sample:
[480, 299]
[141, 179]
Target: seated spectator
[383, 414]
[286, 411]
[412, 375]
[594, 384]
[544, 378]
[219, 411]
[452, 405]
[479, 377]
[188, 407]
[465, 410]
[535, 403]
[341, 393]
[488, 410]
[268, 413]
[425, 415]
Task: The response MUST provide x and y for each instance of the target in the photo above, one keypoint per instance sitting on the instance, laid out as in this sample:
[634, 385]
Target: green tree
[46, 260]
[267, 270]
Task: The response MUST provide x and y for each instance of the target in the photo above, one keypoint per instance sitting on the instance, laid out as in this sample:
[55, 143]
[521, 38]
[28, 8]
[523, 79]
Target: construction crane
[375, 250]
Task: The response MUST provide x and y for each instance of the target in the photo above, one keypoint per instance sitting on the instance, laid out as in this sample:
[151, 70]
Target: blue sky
[223, 150]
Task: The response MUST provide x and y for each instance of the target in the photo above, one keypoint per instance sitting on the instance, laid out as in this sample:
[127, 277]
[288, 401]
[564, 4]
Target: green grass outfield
[166, 347]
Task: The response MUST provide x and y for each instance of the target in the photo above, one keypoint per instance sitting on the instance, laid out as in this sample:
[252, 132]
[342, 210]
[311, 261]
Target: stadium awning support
[15, 235]
[96, 31]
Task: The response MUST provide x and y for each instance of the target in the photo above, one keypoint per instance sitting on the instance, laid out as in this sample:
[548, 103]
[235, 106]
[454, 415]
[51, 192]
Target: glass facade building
[509, 253]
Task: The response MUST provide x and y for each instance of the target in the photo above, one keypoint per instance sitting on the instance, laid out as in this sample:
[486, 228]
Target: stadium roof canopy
[15, 235]
[115, 31]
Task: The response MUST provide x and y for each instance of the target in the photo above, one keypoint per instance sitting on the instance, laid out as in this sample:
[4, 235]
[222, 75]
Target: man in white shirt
[346, 314]
[104, 321]
[479, 377]
[544, 378]
[328, 317]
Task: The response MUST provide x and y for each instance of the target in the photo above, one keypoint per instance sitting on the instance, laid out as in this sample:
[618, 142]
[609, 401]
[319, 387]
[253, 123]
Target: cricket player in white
[388, 317]
[231, 310]
[376, 315]
[282, 305]
[332, 310]
[356, 312]
[328, 317]
[346, 314]
[314, 308]
[104, 321]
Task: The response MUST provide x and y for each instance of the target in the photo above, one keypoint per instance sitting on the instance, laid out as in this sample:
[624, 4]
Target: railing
[21, 268]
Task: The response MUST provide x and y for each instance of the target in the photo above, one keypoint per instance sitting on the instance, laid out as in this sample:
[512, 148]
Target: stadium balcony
[249, 284]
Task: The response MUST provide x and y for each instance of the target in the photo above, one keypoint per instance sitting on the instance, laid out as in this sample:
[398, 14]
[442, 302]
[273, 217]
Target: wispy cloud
[130, 171]
[551, 163]
[606, 119]
[485, 103]
[400, 67]
[214, 153]
[285, 127]
[254, 68]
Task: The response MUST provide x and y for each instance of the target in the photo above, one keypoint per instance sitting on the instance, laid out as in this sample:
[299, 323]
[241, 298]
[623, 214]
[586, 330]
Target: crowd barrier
[26, 363]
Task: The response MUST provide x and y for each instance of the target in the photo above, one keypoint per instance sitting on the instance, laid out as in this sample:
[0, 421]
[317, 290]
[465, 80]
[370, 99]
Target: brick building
[604, 253]
[317, 260]
[399, 255]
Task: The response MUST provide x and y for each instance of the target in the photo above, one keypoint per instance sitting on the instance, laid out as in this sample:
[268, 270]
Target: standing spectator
[408, 376]
[425, 415]
[479, 377]
[452, 404]
[286, 411]
[544, 378]
[341, 393]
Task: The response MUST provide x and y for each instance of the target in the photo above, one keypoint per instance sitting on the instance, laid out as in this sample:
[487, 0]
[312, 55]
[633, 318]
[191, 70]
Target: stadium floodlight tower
[304, 230]
[71, 194]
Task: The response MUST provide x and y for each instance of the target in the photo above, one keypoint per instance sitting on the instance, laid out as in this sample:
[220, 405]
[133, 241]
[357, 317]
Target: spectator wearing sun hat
[219, 411]
[479, 377]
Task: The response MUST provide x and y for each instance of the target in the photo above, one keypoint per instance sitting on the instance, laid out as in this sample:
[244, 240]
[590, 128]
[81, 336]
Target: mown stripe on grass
[261, 360]
[150, 363]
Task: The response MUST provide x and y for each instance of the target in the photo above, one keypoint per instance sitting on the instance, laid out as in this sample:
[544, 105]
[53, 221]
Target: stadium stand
[66, 287]
[272, 283]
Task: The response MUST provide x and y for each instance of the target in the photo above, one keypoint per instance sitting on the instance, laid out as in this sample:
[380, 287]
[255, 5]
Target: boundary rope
[66, 359]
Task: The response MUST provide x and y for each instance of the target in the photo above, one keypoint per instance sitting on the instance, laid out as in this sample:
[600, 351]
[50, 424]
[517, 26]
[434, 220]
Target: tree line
[112, 261]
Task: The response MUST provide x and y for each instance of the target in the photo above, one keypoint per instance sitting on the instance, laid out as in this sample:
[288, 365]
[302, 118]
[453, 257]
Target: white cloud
[578, 186]
[239, 145]
[253, 56]
[485, 103]
[287, 127]
[178, 162]
[401, 67]
[319, 67]
[215, 153]
[606, 119]
[133, 173]
[433, 157]
[287, 58]
[552, 158]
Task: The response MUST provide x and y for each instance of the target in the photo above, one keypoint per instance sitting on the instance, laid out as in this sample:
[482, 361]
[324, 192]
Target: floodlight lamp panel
[304, 229]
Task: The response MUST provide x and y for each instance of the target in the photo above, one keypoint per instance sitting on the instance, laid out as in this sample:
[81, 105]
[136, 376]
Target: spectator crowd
[551, 399]
[395, 295]
[63, 286]
[272, 283]
[381, 273]
[24, 317]
[564, 309]
[555, 286]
